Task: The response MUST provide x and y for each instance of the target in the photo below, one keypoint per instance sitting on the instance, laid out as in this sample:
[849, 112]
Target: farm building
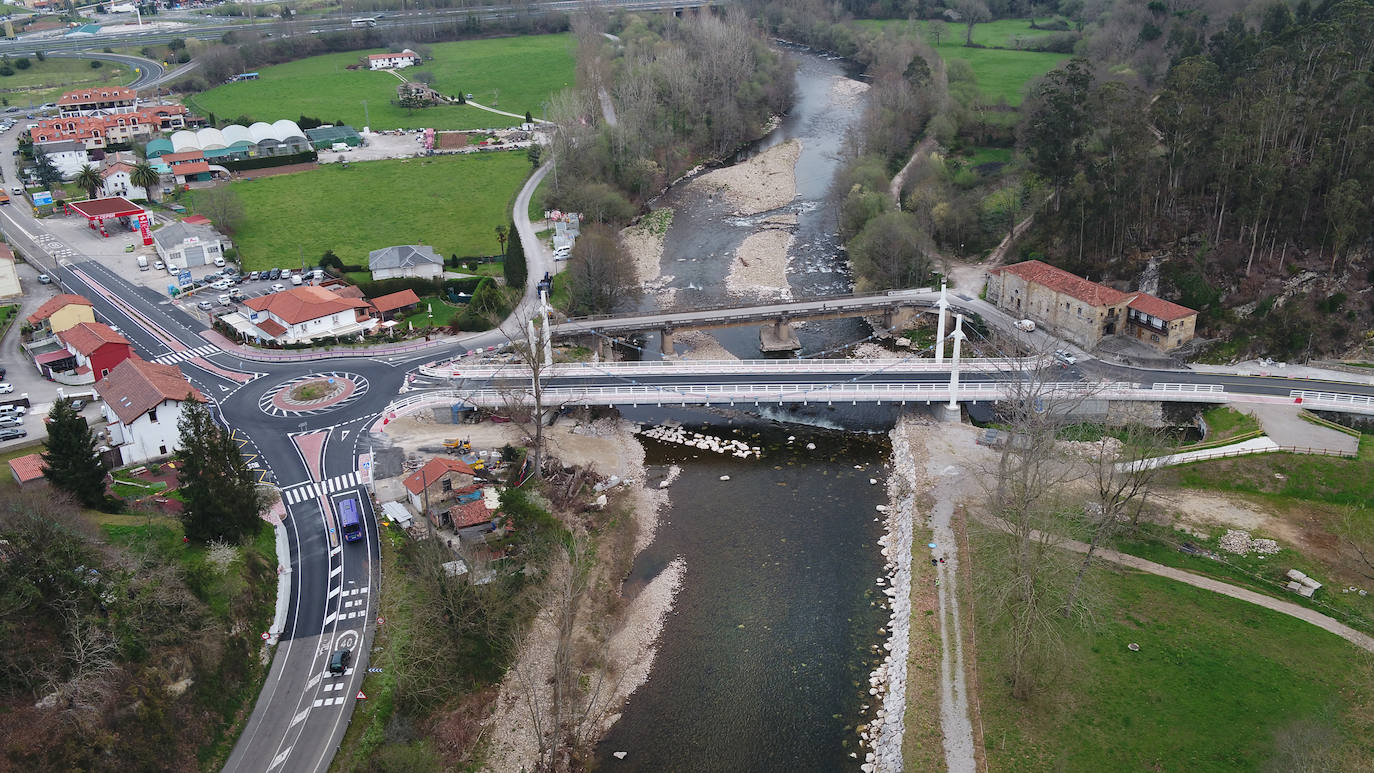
[325, 137]
[406, 260]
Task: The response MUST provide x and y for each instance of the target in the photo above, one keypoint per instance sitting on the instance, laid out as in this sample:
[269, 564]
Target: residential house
[97, 101]
[387, 305]
[91, 351]
[189, 245]
[434, 484]
[301, 314]
[28, 469]
[117, 180]
[67, 156]
[1085, 312]
[99, 131]
[59, 313]
[392, 61]
[143, 402]
[406, 260]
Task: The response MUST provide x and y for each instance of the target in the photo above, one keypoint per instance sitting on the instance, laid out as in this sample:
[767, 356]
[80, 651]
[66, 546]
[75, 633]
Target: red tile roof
[55, 304]
[115, 206]
[135, 387]
[86, 337]
[1061, 281]
[300, 304]
[104, 94]
[196, 220]
[191, 167]
[470, 514]
[271, 327]
[1160, 308]
[433, 470]
[117, 167]
[27, 468]
[394, 301]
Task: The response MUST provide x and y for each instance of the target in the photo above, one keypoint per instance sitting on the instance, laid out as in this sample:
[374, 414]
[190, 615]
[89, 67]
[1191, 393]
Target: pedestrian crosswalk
[174, 357]
[300, 493]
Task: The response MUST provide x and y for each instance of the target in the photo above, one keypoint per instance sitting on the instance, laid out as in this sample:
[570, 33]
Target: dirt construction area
[378, 146]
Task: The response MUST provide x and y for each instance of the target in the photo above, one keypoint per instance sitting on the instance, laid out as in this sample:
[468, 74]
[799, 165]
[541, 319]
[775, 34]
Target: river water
[763, 664]
[699, 247]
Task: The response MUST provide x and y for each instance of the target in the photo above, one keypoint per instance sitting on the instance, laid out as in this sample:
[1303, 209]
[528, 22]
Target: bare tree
[601, 274]
[1027, 578]
[973, 13]
[222, 206]
[81, 680]
[1123, 476]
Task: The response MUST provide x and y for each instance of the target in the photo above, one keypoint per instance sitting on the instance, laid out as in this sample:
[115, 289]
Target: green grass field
[45, 81]
[1002, 73]
[453, 203]
[1215, 683]
[515, 74]
[1292, 476]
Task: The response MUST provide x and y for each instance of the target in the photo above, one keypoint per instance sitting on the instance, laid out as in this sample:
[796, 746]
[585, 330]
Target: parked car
[285, 274]
[2, 371]
[173, 268]
[11, 421]
[225, 300]
[44, 279]
[6, 388]
[157, 264]
[78, 404]
[222, 284]
[253, 276]
[274, 274]
[12, 433]
[1064, 357]
[205, 305]
[219, 261]
[278, 287]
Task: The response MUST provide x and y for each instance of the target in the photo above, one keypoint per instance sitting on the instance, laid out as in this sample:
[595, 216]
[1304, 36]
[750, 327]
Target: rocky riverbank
[765, 182]
[759, 270]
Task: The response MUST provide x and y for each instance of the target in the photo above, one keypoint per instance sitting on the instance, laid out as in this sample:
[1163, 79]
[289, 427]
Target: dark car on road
[338, 662]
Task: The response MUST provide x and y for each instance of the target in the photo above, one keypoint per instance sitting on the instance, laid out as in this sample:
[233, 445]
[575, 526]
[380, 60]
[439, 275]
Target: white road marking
[329, 618]
[314, 680]
[280, 758]
[336, 571]
[334, 592]
[300, 717]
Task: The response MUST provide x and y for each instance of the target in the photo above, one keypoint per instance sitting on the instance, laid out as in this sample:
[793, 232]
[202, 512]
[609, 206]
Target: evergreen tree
[220, 491]
[515, 269]
[71, 460]
[44, 169]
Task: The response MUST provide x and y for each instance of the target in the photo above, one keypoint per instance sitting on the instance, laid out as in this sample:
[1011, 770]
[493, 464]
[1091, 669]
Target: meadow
[1217, 685]
[46, 80]
[1002, 73]
[515, 74]
[452, 203]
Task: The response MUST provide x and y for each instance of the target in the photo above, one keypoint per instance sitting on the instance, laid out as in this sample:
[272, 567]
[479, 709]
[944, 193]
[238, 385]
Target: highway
[29, 44]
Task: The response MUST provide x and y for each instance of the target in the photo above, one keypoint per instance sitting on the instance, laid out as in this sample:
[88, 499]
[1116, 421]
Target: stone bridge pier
[778, 336]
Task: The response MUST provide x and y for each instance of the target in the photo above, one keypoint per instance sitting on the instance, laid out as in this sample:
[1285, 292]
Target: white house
[117, 180]
[303, 313]
[68, 156]
[406, 260]
[143, 403]
[188, 245]
[406, 58]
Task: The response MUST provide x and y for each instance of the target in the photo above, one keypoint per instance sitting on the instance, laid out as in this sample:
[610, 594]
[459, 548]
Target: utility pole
[367, 120]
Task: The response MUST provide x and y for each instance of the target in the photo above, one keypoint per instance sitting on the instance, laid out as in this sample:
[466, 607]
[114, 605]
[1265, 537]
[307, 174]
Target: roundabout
[313, 394]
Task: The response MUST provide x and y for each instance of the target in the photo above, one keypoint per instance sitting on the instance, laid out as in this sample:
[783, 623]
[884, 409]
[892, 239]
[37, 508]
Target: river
[763, 664]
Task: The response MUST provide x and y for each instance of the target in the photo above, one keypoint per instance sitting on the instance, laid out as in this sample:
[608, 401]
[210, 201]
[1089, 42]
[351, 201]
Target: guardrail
[714, 367]
[1333, 401]
[841, 301]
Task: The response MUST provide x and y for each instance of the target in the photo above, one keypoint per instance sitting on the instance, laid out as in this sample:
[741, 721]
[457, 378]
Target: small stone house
[433, 485]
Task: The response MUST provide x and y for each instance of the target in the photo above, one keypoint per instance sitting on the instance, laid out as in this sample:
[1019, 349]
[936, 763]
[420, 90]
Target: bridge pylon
[952, 412]
[942, 305]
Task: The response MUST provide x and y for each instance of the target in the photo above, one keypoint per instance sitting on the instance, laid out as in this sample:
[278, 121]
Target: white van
[142, 262]
[296, 279]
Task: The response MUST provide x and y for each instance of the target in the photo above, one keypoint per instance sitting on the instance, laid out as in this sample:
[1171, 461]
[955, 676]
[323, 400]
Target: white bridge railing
[1333, 401]
[726, 367]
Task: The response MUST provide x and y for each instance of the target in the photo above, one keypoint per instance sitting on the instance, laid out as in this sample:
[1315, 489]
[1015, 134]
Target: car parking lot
[224, 296]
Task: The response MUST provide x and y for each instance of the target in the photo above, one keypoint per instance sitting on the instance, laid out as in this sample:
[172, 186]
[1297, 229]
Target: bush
[6, 71]
[23, 63]
[421, 287]
[96, 64]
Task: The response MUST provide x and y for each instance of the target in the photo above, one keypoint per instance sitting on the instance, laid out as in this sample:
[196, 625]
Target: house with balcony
[302, 314]
[143, 401]
[99, 100]
[67, 156]
[393, 61]
[1084, 312]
